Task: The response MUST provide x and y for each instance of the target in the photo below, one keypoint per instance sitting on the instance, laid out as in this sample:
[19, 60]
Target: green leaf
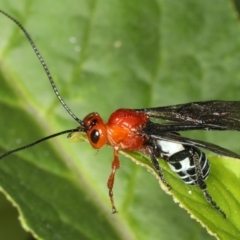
[224, 170]
[104, 56]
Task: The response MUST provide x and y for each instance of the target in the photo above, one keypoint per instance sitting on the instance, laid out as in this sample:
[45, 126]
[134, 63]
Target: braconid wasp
[138, 130]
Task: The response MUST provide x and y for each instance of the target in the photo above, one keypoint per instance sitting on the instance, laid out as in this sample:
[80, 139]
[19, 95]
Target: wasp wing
[172, 137]
[209, 115]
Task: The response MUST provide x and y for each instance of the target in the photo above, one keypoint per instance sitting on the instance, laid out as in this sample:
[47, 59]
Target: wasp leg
[157, 167]
[110, 182]
[203, 186]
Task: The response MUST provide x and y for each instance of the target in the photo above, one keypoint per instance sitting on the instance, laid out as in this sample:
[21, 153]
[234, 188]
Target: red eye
[96, 130]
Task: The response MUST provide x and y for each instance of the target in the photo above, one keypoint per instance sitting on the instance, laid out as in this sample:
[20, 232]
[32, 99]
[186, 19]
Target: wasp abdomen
[180, 159]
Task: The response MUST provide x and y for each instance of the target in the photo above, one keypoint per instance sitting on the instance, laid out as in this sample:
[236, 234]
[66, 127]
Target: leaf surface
[105, 56]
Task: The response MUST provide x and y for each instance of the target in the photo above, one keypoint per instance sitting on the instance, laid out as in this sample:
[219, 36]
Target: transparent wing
[171, 137]
[209, 115]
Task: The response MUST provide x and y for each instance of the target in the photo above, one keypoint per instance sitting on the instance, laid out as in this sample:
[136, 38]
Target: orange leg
[115, 166]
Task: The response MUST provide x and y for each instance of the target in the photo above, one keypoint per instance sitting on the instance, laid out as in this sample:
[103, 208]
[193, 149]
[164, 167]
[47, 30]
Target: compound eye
[98, 136]
[95, 135]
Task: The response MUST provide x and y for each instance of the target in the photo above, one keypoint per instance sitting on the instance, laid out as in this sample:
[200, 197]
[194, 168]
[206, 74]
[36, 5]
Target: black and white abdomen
[180, 159]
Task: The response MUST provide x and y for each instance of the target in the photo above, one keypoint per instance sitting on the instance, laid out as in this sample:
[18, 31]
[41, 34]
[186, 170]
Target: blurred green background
[104, 55]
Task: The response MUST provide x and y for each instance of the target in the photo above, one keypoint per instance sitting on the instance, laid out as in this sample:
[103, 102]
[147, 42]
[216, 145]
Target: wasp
[140, 130]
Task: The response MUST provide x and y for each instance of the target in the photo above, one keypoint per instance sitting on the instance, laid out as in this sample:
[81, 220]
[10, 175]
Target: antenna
[44, 67]
[38, 141]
